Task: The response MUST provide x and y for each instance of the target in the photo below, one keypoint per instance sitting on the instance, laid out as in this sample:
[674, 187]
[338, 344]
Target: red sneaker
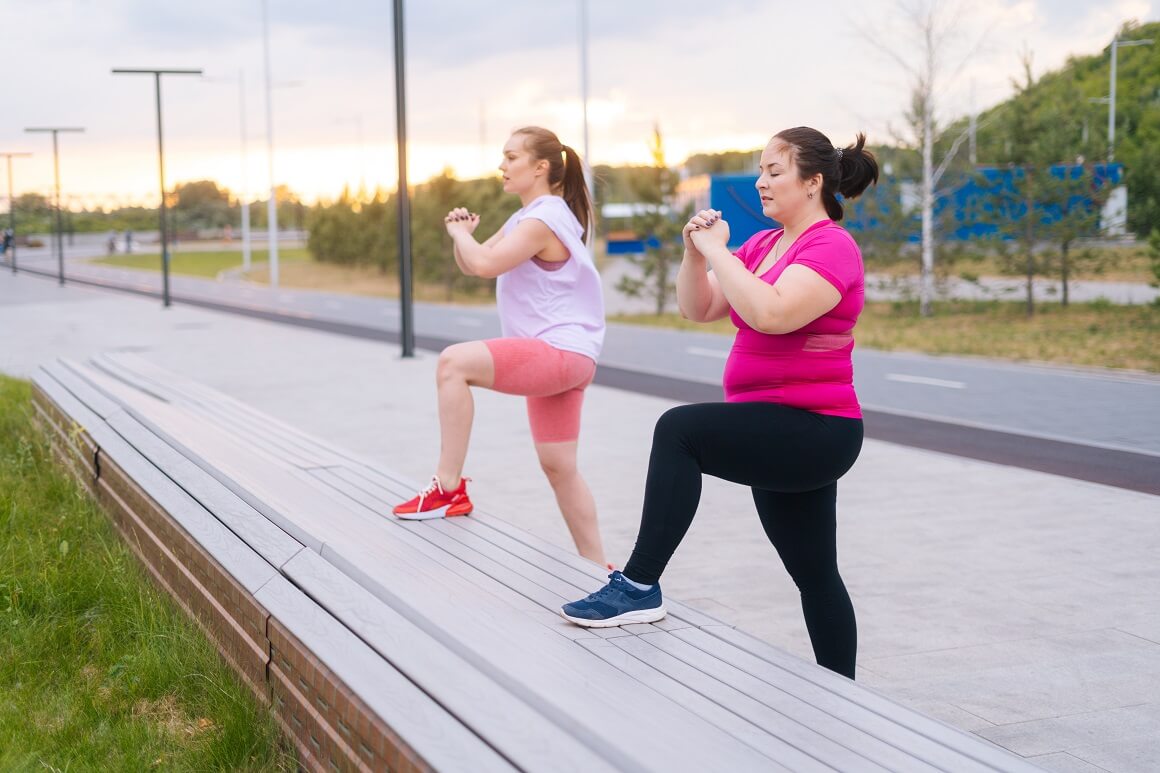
[434, 502]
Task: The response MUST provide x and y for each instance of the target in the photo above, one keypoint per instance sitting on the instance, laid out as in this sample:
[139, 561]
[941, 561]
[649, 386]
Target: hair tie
[839, 152]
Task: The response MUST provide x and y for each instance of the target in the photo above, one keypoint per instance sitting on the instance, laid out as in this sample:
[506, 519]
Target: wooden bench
[437, 645]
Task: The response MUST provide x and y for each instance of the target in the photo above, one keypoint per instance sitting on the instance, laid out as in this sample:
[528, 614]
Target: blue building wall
[735, 196]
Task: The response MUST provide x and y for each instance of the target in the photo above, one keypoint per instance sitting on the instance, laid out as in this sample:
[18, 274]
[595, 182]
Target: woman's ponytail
[858, 168]
[576, 191]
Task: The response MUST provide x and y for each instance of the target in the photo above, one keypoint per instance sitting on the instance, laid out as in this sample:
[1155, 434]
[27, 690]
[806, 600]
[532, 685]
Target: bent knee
[558, 470]
[452, 364]
[672, 425]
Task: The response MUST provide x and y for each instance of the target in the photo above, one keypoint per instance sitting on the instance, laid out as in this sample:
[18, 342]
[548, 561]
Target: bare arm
[499, 255]
[799, 296]
[699, 295]
[495, 237]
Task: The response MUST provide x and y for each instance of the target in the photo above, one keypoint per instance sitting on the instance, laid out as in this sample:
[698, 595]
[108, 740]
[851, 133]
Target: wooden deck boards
[438, 645]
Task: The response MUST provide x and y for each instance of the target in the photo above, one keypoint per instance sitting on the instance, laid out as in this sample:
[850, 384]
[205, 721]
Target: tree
[201, 204]
[936, 28]
[1049, 199]
[659, 225]
[1154, 258]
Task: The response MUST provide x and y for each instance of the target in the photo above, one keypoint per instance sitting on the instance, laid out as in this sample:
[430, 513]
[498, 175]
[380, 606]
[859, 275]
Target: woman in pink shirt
[551, 310]
[790, 425]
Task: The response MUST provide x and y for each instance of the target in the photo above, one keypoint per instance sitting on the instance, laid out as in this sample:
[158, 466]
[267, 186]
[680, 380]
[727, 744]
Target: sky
[712, 76]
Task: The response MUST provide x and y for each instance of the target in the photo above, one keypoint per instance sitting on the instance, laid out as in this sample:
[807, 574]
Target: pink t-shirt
[809, 368]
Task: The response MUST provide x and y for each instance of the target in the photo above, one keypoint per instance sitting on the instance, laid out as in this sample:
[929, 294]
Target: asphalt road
[1095, 425]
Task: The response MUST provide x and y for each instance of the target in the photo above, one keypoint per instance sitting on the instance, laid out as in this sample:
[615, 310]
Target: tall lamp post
[55, 130]
[272, 204]
[584, 96]
[12, 203]
[1116, 44]
[160, 164]
[405, 306]
[244, 195]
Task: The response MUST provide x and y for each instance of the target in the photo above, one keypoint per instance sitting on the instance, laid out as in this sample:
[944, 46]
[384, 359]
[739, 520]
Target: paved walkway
[1018, 605]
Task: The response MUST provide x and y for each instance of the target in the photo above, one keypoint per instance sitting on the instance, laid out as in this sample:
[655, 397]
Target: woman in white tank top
[552, 314]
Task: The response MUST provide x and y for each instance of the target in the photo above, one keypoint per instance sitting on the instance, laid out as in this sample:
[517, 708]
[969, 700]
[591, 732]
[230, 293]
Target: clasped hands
[460, 220]
[704, 231]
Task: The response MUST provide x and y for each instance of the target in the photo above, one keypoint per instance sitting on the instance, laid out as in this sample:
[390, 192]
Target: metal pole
[1116, 44]
[59, 223]
[584, 95]
[406, 322]
[12, 204]
[165, 301]
[55, 130]
[1112, 107]
[162, 210]
[11, 214]
[246, 246]
[272, 204]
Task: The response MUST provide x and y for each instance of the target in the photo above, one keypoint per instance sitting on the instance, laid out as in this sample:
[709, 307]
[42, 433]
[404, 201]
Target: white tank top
[561, 304]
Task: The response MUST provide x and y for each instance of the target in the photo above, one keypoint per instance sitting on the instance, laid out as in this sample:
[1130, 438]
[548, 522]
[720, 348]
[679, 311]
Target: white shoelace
[435, 486]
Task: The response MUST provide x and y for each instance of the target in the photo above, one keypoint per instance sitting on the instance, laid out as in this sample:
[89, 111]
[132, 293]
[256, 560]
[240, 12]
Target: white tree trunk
[926, 287]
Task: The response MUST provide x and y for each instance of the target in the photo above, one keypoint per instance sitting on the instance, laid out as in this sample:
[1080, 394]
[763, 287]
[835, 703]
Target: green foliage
[1038, 134]
[659, 225]
[1154, 257]
[1059, 101]
[357, 233]
[201, 204]
[98, 669]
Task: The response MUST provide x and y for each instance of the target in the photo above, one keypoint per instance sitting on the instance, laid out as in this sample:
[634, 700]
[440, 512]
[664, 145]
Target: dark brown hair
[565, 172]
[848, 171]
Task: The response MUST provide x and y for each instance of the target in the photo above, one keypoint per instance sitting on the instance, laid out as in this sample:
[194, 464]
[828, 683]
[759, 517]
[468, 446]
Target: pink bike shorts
[552, 379]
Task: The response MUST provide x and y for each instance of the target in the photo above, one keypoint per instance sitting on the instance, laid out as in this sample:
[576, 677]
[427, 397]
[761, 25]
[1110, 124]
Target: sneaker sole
[430, 515]
[628, 618]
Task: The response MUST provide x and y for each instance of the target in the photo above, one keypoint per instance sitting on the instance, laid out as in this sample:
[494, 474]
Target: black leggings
[792, 460]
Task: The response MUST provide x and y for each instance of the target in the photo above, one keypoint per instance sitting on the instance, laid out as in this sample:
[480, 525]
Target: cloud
[714, 76]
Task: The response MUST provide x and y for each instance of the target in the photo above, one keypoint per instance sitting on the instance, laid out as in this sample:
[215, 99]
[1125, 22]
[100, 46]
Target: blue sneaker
[617, 603]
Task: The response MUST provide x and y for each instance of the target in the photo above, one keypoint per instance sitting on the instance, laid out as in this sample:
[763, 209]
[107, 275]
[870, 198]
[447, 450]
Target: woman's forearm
[469, 254]
[694, 293]
[751, 298]
[459, 259]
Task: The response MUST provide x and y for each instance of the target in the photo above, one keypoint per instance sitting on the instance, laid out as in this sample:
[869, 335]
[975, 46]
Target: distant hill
[1073, 126]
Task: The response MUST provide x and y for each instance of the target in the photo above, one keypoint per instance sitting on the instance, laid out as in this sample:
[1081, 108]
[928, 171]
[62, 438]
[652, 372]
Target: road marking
[938, 382]
[333, 305]
[701, 352]
[468, 322]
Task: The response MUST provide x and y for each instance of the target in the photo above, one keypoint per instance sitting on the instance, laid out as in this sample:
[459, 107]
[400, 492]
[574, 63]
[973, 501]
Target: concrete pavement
[1021, 606]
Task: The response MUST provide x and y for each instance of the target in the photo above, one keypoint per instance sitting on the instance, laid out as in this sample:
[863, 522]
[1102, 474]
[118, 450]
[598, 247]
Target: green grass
[98, 668]
[208, 263]
[1096, 334]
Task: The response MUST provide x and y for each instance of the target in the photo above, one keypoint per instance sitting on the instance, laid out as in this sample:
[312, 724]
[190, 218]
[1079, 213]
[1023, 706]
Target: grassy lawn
[208, 263]
[98, 669]
[297, 269]
[1091, 334]
[1107, 263]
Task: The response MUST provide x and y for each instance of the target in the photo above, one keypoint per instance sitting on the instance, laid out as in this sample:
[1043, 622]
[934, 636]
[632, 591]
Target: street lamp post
[1116, 43]
[55, 130]
[244, 195]
[272, 204]
[12, 203]
[406, 328]
[160, 165]
[246, 244]
[584, 96]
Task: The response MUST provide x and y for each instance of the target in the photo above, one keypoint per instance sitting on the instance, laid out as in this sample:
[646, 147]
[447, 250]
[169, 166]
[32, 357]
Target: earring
[810, 194]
